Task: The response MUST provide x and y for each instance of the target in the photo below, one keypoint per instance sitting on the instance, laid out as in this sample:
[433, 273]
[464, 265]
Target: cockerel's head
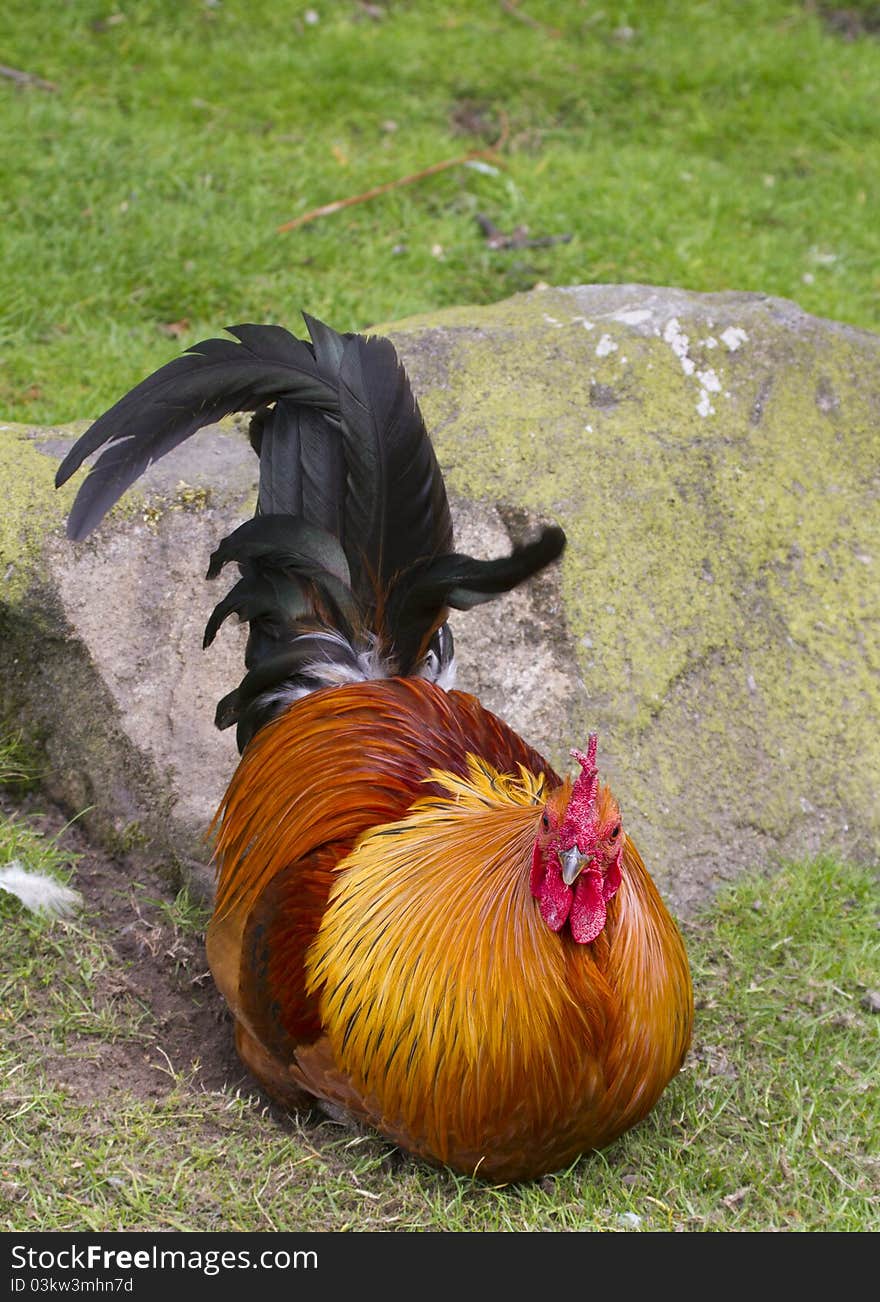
[578, 851]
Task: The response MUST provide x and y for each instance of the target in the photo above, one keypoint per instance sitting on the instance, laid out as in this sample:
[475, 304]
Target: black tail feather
[329, 346]
[211, 380]
[283, 542]
[276, 600]
[461, 582]
[292, 574]
[396, 506]
[349, 554]
[279, 450]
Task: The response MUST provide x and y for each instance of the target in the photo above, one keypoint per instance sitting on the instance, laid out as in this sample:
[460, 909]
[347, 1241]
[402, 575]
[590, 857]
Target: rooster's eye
[545, 822]
[615, 833]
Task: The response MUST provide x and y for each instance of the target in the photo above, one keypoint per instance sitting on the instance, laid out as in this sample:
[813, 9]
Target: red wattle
[588, 908]
[555, 898]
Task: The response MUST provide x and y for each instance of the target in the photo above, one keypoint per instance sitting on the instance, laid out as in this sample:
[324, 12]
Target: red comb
[581, 806]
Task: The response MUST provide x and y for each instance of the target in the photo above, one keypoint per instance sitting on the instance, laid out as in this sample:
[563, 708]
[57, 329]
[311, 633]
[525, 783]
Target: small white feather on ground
[38, 891]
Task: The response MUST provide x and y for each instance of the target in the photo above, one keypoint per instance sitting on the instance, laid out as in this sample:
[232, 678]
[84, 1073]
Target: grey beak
[573, 864]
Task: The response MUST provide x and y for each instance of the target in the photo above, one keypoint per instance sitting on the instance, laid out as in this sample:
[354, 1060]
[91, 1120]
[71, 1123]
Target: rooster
[418, 923]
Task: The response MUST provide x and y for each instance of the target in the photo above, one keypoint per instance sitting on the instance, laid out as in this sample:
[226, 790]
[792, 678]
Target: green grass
[184, 914]
[773, 1124]
[699, 143]
[19, 766]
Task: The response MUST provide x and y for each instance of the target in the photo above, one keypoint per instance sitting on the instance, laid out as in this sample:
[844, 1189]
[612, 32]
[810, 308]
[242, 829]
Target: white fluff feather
[38, 891]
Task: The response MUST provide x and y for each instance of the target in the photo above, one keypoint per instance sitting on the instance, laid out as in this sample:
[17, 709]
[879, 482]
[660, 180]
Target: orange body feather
[377, 941]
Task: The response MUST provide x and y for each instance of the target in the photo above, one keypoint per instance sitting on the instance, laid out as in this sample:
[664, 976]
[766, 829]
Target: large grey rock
[714, 461]
[101, 644]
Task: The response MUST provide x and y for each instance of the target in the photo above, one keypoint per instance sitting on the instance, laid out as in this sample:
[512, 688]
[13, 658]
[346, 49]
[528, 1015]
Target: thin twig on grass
[327, 208]
[26, 78]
